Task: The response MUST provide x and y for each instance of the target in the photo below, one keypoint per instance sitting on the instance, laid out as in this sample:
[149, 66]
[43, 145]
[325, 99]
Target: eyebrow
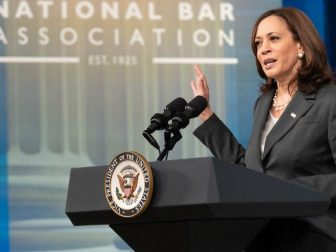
[268, 34]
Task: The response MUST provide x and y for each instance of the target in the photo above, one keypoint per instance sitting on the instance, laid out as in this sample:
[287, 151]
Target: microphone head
[196, 106]
[176, 105]
[192, 109]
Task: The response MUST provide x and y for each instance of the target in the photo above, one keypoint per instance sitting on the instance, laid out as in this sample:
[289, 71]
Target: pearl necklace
[279, 107]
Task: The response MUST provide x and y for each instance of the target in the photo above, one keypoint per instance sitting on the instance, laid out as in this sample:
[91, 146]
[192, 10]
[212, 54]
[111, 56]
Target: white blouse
[271, 121]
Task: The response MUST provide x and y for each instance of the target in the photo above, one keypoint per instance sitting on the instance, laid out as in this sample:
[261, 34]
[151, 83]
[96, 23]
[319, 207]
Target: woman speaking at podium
[294, 130]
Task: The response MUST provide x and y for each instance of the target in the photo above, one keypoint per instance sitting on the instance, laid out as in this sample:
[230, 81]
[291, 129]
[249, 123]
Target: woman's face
[276, 49]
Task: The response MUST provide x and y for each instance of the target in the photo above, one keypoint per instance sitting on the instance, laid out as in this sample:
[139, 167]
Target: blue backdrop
[322, 13]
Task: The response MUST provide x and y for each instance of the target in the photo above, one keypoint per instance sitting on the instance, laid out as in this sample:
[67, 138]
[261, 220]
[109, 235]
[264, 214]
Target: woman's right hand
[200, 87]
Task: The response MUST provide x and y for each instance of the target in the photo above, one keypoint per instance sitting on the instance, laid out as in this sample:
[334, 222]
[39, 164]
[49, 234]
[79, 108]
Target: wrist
[206, 114]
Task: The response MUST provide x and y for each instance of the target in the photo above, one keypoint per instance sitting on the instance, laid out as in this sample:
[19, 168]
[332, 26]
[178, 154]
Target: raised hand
[200, 87]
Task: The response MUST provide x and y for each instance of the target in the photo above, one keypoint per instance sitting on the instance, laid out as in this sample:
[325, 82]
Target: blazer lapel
[299, 105]
[260, 116]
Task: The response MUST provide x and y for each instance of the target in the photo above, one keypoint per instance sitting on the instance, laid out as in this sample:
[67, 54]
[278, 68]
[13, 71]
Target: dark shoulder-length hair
[315, 70]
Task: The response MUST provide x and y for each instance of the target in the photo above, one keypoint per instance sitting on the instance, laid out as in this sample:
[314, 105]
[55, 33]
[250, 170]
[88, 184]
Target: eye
[274, 38]
[257, 43]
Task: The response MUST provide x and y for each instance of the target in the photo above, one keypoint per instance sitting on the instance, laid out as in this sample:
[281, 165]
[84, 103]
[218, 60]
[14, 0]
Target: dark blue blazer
[301, 147]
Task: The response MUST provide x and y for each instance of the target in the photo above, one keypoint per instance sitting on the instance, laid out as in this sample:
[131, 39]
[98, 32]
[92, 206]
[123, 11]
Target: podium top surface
[198, 188]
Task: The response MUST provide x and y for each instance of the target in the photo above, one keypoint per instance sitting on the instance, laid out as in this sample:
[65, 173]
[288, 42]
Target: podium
[199, 204]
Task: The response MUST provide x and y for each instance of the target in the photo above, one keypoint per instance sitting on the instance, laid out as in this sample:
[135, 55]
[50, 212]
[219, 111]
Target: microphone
[192, 110]
[160, 121]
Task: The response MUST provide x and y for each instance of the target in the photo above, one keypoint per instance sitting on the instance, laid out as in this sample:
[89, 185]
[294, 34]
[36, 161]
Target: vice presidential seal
[128, 184]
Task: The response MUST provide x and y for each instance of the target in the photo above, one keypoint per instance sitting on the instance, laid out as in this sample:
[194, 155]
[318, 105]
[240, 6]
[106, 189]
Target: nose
[264, 49]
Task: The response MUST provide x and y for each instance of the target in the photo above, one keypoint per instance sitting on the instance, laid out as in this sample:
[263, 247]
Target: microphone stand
[170, 142]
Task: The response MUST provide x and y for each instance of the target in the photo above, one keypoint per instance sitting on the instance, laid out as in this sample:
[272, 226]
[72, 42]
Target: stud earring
[300, 55]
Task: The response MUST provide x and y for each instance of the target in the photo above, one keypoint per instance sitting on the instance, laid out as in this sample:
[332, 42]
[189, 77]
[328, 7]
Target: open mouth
[269, 63]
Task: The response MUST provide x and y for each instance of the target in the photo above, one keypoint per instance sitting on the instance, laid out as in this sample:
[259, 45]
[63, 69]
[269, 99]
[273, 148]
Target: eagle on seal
[128, 183]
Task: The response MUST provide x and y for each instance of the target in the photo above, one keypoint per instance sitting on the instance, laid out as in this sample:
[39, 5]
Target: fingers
[193, 87]
[200, 87]
[197, 87]
[200, 77]
[198, 71]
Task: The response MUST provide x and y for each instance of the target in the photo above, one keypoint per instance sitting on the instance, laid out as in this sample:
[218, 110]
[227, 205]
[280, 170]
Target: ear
[299, 46]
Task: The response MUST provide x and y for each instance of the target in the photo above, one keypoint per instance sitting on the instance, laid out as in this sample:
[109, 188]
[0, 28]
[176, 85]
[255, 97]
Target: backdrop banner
[81, 80]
